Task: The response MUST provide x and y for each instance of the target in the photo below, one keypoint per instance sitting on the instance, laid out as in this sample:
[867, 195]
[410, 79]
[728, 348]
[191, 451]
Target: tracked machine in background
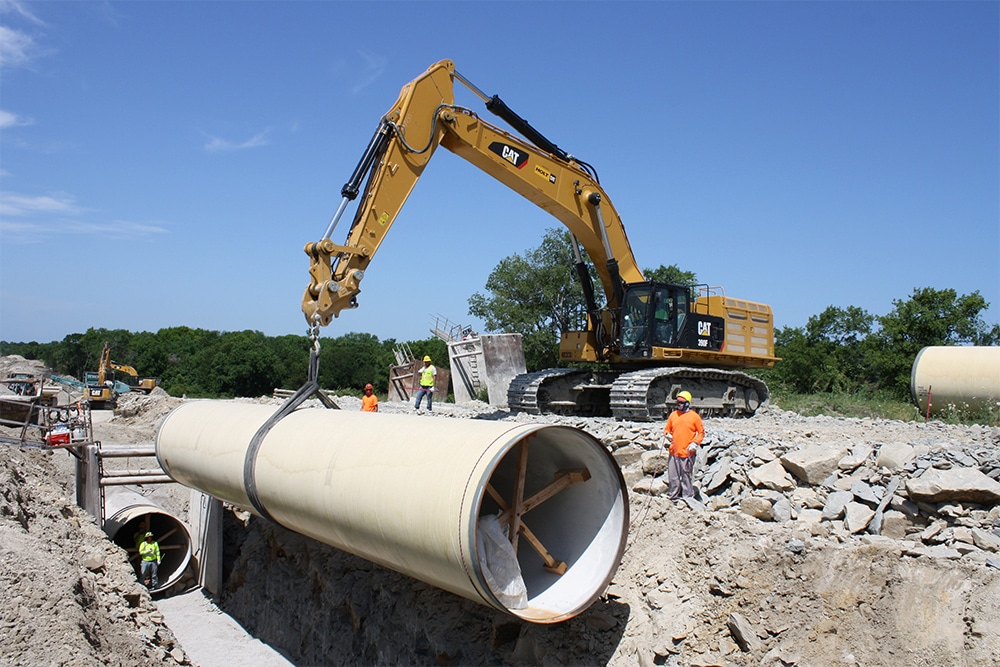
[102, 390]
[648, 340]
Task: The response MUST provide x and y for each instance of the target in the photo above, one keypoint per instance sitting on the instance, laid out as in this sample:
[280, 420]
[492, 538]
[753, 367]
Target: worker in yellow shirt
[686, 431]
[149, 551]
[427, 375]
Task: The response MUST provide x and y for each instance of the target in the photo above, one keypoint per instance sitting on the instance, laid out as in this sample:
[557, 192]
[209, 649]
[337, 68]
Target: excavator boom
[423, 118]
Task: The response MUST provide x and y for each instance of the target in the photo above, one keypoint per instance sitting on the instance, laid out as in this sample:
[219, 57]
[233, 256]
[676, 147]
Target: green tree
[928, 317]
[670, 274]
[537, 295]
[828, 354]
[242, 365]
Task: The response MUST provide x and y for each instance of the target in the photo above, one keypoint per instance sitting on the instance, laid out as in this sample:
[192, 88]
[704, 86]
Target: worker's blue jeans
[429, 393]
[149, 570]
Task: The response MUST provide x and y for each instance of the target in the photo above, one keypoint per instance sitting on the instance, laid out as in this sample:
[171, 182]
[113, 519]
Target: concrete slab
[211, 638]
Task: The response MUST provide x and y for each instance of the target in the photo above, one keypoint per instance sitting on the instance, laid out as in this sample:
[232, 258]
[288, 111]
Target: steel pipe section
[954, 377]
[131, 516]
[407, 492]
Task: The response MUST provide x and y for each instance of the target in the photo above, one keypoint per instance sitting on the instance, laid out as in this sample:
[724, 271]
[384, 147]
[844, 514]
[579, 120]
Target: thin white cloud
[35, 219]
[16, 48]
[21, 9]
[8, 119]
[219, 145]
[15, 205]
[119, 229]
[373, 68]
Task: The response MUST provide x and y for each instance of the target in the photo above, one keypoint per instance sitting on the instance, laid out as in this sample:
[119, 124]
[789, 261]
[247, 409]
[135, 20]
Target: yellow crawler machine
[648, 339]
[135, 381]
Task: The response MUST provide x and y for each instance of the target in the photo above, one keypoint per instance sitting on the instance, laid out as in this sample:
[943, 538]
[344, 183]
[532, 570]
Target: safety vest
[427, 376]
[149, 551]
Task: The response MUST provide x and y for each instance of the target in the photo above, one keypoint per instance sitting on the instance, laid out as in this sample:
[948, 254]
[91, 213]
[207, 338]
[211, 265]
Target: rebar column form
[131, 516]
[407, 492]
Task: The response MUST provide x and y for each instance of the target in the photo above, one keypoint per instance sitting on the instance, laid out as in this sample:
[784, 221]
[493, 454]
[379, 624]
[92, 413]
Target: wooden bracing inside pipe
[510, 515]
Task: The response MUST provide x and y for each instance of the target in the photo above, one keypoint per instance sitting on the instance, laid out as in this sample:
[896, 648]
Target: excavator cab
[658, 315]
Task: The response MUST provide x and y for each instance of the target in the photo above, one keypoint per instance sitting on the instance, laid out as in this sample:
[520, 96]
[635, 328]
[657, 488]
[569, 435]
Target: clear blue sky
[164, 163]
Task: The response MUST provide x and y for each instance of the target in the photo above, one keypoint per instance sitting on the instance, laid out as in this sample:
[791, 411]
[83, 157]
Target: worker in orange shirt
[369, 402]
[686, 430]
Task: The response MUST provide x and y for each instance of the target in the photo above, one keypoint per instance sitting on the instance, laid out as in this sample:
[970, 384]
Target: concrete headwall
[486, 362]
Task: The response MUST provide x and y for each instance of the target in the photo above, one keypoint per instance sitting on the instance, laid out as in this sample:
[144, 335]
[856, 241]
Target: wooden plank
[522, 469]
[563, 479]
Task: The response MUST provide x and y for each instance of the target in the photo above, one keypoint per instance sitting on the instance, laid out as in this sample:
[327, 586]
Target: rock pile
[68, 595]
[939, 494]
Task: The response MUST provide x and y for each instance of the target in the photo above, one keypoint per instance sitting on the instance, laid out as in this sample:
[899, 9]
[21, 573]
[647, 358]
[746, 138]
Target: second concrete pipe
[408, 492]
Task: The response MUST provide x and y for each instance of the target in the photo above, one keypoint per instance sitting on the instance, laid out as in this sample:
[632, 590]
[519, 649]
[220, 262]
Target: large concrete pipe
[408, 492]
[131, 516]
[956, 377]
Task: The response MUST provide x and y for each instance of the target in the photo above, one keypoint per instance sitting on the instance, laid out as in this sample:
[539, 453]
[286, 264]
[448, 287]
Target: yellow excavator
[102, 391]
[645, 343]
[135, 381]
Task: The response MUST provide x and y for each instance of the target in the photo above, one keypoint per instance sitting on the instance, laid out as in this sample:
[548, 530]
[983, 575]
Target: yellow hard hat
[427, 358]
[685, 395]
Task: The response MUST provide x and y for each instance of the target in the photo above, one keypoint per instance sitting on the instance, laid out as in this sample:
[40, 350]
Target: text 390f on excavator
[649, 339]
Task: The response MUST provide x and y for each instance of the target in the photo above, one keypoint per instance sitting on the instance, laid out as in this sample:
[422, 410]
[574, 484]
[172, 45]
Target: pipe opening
[127, 526]
[575, 519]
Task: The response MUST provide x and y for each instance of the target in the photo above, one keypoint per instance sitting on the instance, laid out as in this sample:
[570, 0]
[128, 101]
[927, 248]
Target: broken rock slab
[771, 476]
[813, 464]
[743, 632]
[953, 485]
[894, 455]
[757, 507]
[835, 504]
[857, 517]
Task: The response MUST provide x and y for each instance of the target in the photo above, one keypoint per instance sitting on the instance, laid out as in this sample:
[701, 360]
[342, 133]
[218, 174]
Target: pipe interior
[126, 525]
[584, 525]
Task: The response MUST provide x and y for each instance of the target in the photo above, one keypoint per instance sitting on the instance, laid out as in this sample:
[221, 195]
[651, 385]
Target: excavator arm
[426, 117]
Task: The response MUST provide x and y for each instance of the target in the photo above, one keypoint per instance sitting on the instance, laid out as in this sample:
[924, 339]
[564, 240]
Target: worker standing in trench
[149, 551]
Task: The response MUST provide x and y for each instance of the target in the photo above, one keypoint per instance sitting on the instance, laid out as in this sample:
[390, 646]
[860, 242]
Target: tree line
[211, 364]
[538, 295]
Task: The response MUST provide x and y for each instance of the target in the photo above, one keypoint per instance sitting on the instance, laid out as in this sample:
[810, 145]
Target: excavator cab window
[670, 303]
[653, 315]
[635, 317]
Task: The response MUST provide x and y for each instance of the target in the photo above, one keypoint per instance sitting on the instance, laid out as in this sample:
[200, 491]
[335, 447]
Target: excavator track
[643, 395]
[561, 391]
[648, 394]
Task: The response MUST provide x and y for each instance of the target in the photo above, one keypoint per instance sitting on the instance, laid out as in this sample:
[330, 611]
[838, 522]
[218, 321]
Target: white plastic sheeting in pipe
[956, 377]
[407, 492]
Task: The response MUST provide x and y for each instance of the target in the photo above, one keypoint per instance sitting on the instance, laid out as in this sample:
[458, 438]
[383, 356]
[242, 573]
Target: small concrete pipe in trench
[131, 516]
[956, 377]
[410, 493]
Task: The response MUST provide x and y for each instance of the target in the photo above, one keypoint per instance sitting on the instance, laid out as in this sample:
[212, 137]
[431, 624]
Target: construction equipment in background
[135, 381]
[27, 406]
[102, 387]
[649, 339]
